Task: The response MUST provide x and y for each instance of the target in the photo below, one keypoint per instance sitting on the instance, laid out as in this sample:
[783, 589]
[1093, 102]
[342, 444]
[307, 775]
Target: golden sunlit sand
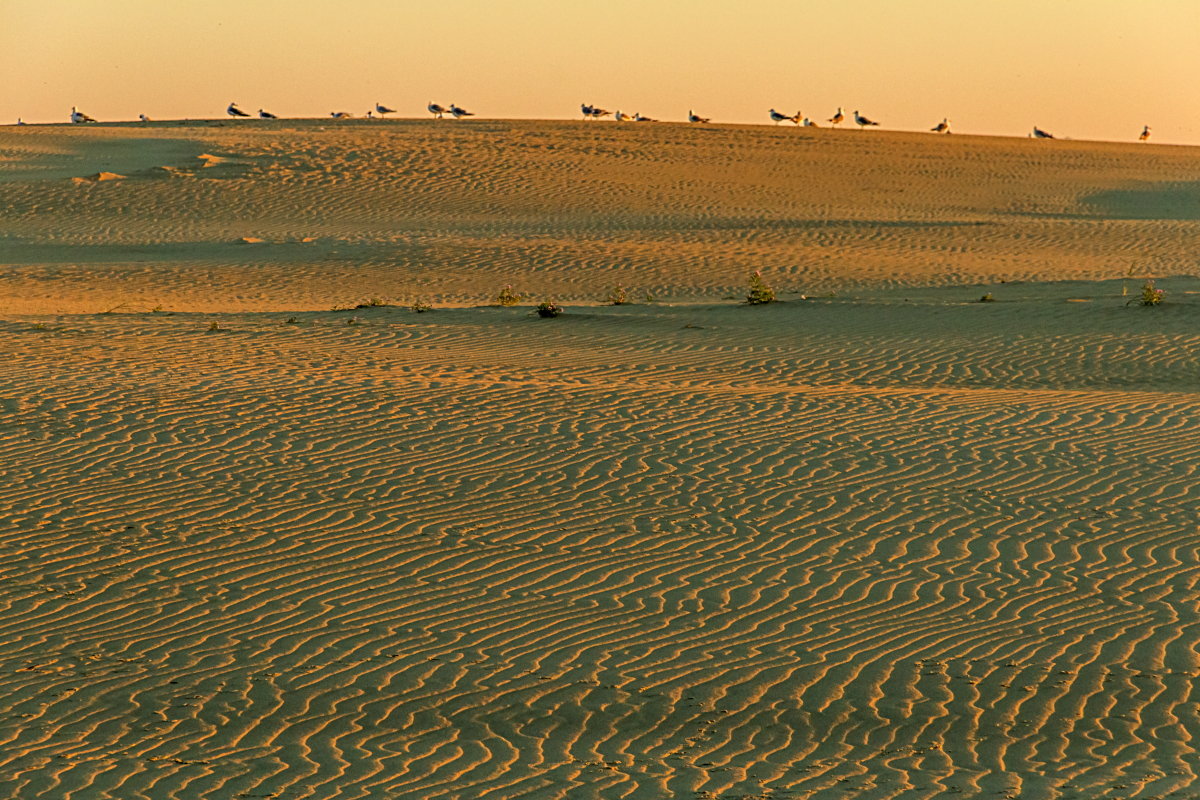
[877, 540]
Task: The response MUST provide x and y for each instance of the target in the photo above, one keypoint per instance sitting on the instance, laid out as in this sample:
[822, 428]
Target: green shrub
[760, 293]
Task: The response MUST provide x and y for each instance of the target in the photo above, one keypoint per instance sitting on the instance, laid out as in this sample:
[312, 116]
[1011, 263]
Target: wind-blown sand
[891, 543]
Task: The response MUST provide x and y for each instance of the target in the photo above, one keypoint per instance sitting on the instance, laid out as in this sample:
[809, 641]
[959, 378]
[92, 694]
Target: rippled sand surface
[888, 543]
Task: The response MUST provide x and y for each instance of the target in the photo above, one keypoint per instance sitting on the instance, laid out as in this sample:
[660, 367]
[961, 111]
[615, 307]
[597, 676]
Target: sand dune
[453, 212]
[891, 543]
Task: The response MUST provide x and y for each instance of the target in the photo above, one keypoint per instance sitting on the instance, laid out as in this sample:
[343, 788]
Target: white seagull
[78, 116]
[20, 121]
[692, 117]
[436, 110]
[382, 109]
[837, 118]
[340, 114]
[598, 112]
[942, 127]
[143, 118]
[234, 111]
[808, 123]
[637, 117]
[620, 117]
[777, 117]
[459, 113]
[586, 109]
[266, 115]
[1038, 133]
[1145, 133]
[862, 121]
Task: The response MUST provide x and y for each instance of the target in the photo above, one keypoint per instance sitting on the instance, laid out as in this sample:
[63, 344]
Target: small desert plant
[549, 308]
[353, 321]
[420, 306]
[39, 326]
[214, 326]
[372, 302]
[291, 321]
[987, 298]
[1151, 296]
[618, 296]
[508, 297]
[760, 293]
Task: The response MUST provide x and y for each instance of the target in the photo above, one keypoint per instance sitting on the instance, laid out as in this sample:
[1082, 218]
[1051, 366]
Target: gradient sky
[1088, 69]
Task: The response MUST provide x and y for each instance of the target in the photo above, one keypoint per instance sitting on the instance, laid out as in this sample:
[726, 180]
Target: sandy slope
[888, 544]
[451, 212]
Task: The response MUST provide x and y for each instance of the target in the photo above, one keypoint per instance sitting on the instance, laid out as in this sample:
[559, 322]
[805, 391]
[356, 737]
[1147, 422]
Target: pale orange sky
[1088, 69]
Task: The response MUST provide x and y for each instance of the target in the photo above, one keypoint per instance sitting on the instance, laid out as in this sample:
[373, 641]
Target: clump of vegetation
[353, 321]
[548, 309]
[760, 293]
[214, 326]
[618, 296]
[291, 321]
[508, 297]
[987, 298]
[420, 306]
[39, 326]
[1151, 296]
[372, 302]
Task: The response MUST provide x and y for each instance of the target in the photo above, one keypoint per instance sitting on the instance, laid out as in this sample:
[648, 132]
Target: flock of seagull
[590, 111]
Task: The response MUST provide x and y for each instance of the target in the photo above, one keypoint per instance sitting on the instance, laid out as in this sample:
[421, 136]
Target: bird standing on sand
[942, 127]
[340, 114]
[777, 117]
[436, 110]
[862, 121]
[620, 117]
[382, 109]
[598, 112]
[692, 117]
[266, 115]
[586, 110]
[20, 121]
[78, 116]
[837, 118]
[234, 111]
[1038, 133]
[143, 118]
[1145, 133]
[637, 117]
[459, 113]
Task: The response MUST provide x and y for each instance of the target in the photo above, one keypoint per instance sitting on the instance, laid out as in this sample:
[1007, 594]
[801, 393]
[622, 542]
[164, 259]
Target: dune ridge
[452, 212]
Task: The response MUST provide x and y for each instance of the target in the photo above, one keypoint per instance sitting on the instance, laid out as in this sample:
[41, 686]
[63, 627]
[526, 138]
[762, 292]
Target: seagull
[838, 117]
[20, 121]
[459, 113]
[371, 113]
[777, 118]
[862, 121]
[637, 117]
[143, 118]
[79, 116]
[1038, 133]
[266, 115]
[619, 117]
[598, 112]
[808, 123]
[693, 118]
[382, 109]
[1145, 133]
[234, 111]
[436, 110]
[340, 114]
[586, 110]
[942, 127]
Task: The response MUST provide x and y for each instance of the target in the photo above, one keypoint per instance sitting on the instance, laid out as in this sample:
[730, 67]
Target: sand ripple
[817, 550]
